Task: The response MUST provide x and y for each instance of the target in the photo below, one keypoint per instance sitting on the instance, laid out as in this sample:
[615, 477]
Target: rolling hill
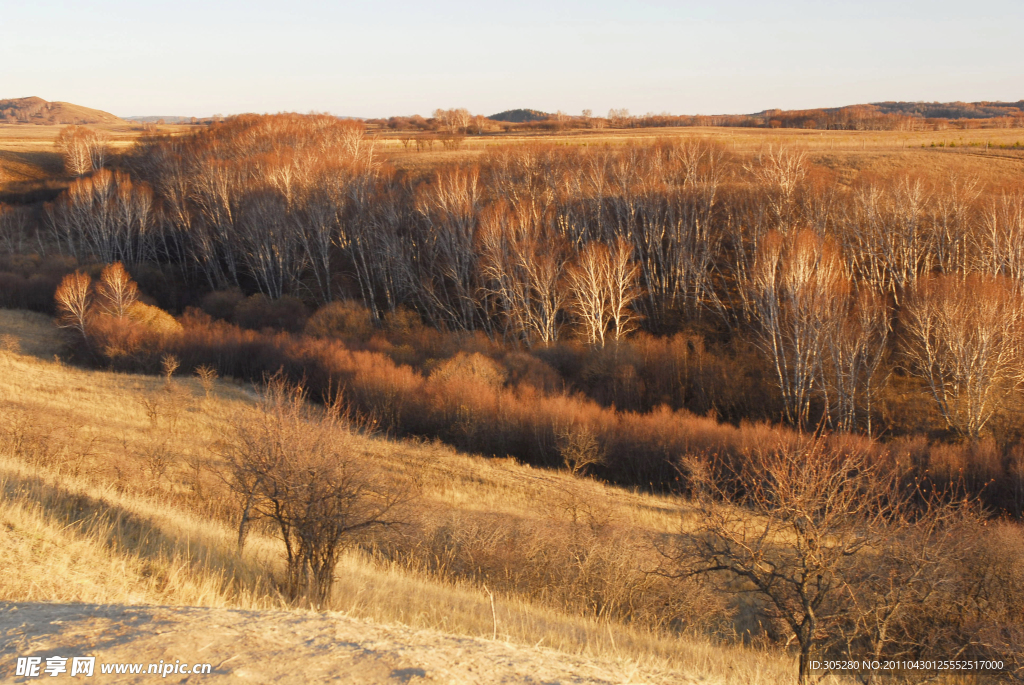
[35, 110]
[518, 116]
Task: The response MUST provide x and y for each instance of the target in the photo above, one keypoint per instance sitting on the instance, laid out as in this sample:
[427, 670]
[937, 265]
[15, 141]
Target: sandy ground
[283, 647]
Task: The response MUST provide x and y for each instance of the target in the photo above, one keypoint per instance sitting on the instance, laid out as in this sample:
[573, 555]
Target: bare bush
[579, 449]
[292, 465]
[820, 535]
[169, 364]
[206, 375]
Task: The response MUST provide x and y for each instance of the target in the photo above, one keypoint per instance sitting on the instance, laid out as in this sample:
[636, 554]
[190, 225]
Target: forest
[641, 289]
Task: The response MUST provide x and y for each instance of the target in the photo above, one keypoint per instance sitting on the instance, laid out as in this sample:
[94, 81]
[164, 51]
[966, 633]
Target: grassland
[30, 161]
[31, 167]
[847, 152]
[90, 513]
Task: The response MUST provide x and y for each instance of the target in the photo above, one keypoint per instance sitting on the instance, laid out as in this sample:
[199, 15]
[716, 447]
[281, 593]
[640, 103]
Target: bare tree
[963, 336]
[1000, 239]
[619, 117]
[602, 285]
[855, 348]
[952, 223]
[587, 279]
[106, 216]
[780, 171]
[799, 293]
[14, 222]
[885, 237]
[915, 565]
[295, 466]
[522, 266]
[661, 199]
[73, 297]
[447, 259]
[453, 124]
[373, 238]
[273, 252]
[84, 150]
[623, 289]
[117, 291]
[805, 526]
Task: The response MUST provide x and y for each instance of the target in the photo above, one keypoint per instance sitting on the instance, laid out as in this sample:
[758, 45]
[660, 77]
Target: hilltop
[35, 110]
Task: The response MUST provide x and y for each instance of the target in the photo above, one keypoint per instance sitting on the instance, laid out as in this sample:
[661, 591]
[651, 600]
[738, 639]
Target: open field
[28, 157]
[848, 151]
[31, 167]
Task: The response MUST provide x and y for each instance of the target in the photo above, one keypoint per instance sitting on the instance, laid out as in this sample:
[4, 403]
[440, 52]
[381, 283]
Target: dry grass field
[847, 152]
[28, 158]
[110, 498]
[30, 161]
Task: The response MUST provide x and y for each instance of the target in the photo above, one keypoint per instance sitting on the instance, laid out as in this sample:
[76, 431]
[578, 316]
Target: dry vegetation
[674, 314]
[122, 483]
[111, 496]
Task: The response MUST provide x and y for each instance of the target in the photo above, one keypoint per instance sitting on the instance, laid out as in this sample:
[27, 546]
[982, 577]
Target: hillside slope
[35, 110]
[109, 496]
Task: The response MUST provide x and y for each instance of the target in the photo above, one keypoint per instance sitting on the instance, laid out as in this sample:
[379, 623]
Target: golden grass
[69, 541]
[29, 160]
[85, 517]
[82, 519]
[27, 152]
[32, 137]
[976, 151]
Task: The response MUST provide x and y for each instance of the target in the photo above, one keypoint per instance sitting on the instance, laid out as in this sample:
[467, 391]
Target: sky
[397, 57]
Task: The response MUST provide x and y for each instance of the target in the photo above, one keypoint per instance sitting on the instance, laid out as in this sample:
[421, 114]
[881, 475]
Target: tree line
[837, 286]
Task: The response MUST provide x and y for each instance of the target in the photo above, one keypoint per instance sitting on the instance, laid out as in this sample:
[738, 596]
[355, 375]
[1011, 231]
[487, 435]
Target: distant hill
[166, 120]
[953, 110]
[519, 116]
[923, 110]
[35, 110]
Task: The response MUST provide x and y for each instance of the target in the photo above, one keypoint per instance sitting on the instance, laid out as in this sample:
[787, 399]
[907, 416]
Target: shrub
[292, 465]
[347, 320]
[221, 304]
[258, 312]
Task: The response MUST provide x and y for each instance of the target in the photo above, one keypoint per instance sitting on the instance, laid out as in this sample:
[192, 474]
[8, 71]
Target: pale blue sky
[400, 57]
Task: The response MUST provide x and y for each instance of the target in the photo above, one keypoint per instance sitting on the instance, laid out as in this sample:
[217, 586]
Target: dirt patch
[285, 647]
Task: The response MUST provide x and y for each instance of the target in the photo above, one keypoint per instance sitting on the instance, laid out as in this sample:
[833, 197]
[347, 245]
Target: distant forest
[953, 110]
[880, 116]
